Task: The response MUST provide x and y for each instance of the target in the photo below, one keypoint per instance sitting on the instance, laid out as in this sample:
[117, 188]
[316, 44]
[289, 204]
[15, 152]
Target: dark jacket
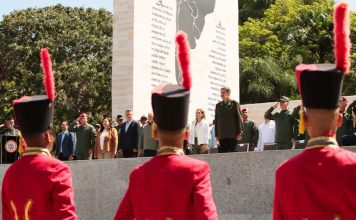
[129, 138]
[346, 127]
[146, 141]
[249, 134]
[68, 145]
[228, 120]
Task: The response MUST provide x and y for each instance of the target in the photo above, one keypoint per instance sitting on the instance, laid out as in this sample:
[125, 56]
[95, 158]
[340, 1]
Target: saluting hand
[275, 105]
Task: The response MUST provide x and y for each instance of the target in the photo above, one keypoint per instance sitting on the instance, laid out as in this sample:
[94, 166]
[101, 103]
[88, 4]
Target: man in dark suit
[129, 136]
[66, 141]
[228, 122]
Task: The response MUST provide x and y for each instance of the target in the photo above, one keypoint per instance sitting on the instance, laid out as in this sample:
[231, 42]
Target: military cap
[83, 115]
[284, 99]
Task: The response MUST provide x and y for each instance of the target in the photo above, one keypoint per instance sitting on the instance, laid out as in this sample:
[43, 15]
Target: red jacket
[169, 187]
[319, 183]
[38, 187]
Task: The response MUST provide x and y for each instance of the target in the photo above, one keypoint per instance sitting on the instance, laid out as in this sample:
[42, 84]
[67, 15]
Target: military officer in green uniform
[249, 132]
[285, 124]
[346, 127]
[86, 136]
[119, 120]
[10, 130]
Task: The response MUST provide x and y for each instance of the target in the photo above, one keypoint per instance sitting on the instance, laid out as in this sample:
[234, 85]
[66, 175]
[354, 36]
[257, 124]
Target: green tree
[350, 79]
[304, 27]
[80, 42]
[256, 40]
[291, 32]
[252, 9]
[264, 79]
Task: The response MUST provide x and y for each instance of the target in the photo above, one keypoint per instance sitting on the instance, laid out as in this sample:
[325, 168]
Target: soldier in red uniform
[37, 186]
[319, 183]
[170, 185]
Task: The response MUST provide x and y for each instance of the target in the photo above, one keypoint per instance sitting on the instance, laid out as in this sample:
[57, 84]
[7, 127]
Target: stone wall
[243, 184]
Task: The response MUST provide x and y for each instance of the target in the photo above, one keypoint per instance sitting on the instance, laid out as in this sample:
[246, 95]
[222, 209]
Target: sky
[8, 6]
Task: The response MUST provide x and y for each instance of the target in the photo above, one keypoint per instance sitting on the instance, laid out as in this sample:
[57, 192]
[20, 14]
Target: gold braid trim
[322, 141]
[167, 150]
[36, 150]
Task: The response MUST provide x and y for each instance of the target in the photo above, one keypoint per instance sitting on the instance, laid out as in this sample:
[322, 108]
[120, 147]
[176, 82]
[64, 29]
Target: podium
[242, 147]
[9, 148]
[269, 146]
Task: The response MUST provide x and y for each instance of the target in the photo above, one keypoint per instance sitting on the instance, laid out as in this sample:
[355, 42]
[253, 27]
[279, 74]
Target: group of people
[126, 139]
[290, 130]
[231, 128]
[318, 183]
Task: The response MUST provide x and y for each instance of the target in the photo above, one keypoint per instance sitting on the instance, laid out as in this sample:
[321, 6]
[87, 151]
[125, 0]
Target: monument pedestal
[144, 51]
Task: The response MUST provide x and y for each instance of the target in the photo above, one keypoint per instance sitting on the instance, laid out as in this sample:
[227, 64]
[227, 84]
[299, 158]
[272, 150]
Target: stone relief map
[191, 19]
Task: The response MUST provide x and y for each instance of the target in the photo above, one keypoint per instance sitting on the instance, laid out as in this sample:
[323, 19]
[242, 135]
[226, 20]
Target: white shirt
[200, 131]
[266, 135]
[63, 134]
[212, 139]
[127, 125]
[102, 139]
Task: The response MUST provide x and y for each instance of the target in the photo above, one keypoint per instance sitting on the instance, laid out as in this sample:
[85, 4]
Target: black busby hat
[34, 114]
[320, 85]
[170, 103]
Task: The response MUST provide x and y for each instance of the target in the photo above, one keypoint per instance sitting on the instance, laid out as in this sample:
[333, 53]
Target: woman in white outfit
[199, 133]
[106, 141]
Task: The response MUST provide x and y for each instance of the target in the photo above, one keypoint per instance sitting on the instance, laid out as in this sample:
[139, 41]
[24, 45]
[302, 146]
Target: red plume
[183, 58]
[48, 79]
[342, 36]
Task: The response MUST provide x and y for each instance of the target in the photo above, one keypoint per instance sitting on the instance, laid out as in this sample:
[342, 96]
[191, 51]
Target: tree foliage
[80, 43]
[252, 9]
[289, 33]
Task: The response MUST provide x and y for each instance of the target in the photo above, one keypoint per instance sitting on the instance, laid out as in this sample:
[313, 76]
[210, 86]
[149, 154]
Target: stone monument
[144, 51]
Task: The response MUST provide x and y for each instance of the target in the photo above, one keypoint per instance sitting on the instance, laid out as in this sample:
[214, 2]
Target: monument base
[243, 183]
